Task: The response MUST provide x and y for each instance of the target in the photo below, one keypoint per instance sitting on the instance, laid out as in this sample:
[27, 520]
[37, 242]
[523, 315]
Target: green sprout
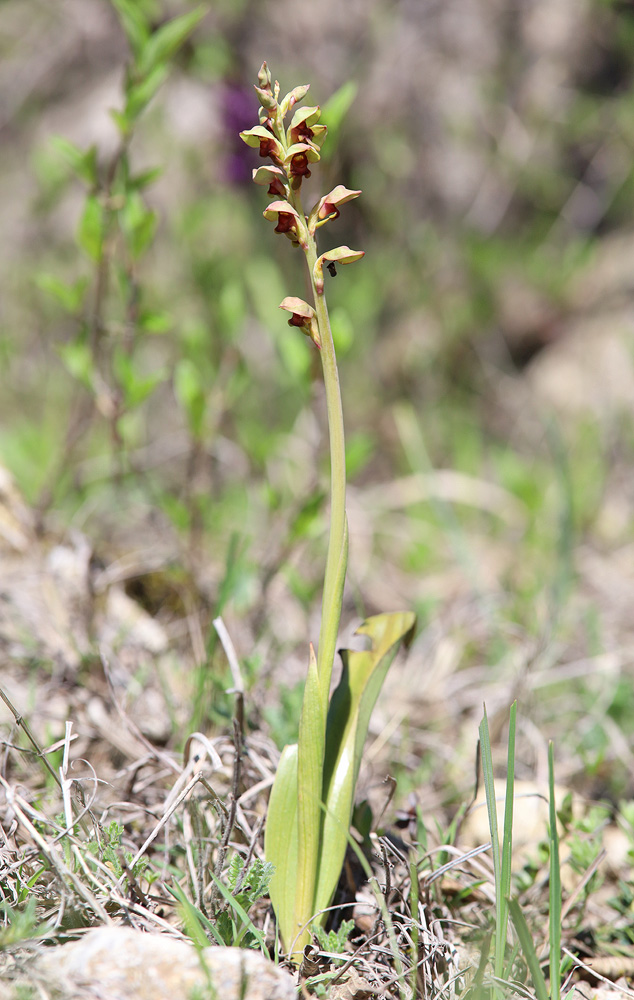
[313, 794]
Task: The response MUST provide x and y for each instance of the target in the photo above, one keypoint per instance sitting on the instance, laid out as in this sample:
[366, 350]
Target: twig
[230, 823]
[234, 666]
[249, 856]
[387, 866]
[20, 721]
[596, 975]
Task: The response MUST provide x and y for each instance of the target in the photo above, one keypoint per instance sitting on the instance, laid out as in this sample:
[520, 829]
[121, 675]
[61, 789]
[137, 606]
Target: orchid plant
[312, 798]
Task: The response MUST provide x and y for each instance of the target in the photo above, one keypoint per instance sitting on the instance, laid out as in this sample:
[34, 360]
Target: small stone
[119, 963]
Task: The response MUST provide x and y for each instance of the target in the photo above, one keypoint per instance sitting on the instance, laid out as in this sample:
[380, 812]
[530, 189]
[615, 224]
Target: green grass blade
[413, 905]
[195, 922]
[507, 840]
[554, 889]
[528, 949]
[489, 789]
[241, 913]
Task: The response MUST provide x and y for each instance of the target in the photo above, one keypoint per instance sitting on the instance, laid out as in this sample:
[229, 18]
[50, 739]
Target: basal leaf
[280, 842]
[310, 762]
[348, 721]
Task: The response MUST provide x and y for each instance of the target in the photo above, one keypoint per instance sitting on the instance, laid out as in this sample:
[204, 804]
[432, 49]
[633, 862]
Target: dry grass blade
[170, 810]
[52, 855]
[21, 721]
[595, 974]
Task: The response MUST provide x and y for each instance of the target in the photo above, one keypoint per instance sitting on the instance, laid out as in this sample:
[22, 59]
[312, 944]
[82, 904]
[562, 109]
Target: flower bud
[264, 77]
[293, 98]
[266, 99]
[340, 255]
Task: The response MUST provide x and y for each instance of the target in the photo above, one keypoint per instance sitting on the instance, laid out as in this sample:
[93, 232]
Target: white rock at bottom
[119, 963]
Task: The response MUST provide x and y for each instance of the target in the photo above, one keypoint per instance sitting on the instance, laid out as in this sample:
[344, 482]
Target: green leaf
[348, 721]
[145, 178]
[136, 387]
[190, 392]
[178, 512]
[507, 845]
[196, 923]
[231, 307]
[335, 942]
[310, 761]
[122, 122]
[501, 858]
[78, 360]
[554, 884]
[281, 843]
[91, 229]
[138, 223]
[334, 112]
[140, 94]
[528, 949]
[135, 23]
[155, 322]
[239, 910]
[19, 924]
[83, 162]
[70, 295]
[167, 40]
[255, 881]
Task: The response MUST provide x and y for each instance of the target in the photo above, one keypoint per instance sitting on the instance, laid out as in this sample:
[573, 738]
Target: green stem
[337, 558]
[312, 728]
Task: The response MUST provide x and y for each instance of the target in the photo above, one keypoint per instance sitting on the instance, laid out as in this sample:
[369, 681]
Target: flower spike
[314, 785]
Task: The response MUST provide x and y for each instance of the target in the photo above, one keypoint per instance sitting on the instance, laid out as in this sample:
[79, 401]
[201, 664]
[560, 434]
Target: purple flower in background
[238, 107]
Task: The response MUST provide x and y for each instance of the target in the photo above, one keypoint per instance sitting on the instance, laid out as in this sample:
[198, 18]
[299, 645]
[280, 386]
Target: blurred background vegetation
[155, 404]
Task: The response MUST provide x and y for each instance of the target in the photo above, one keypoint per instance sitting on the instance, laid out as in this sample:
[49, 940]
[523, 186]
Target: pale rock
[119, 963]
[589, 370]
[530, 817]
[126, 621]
